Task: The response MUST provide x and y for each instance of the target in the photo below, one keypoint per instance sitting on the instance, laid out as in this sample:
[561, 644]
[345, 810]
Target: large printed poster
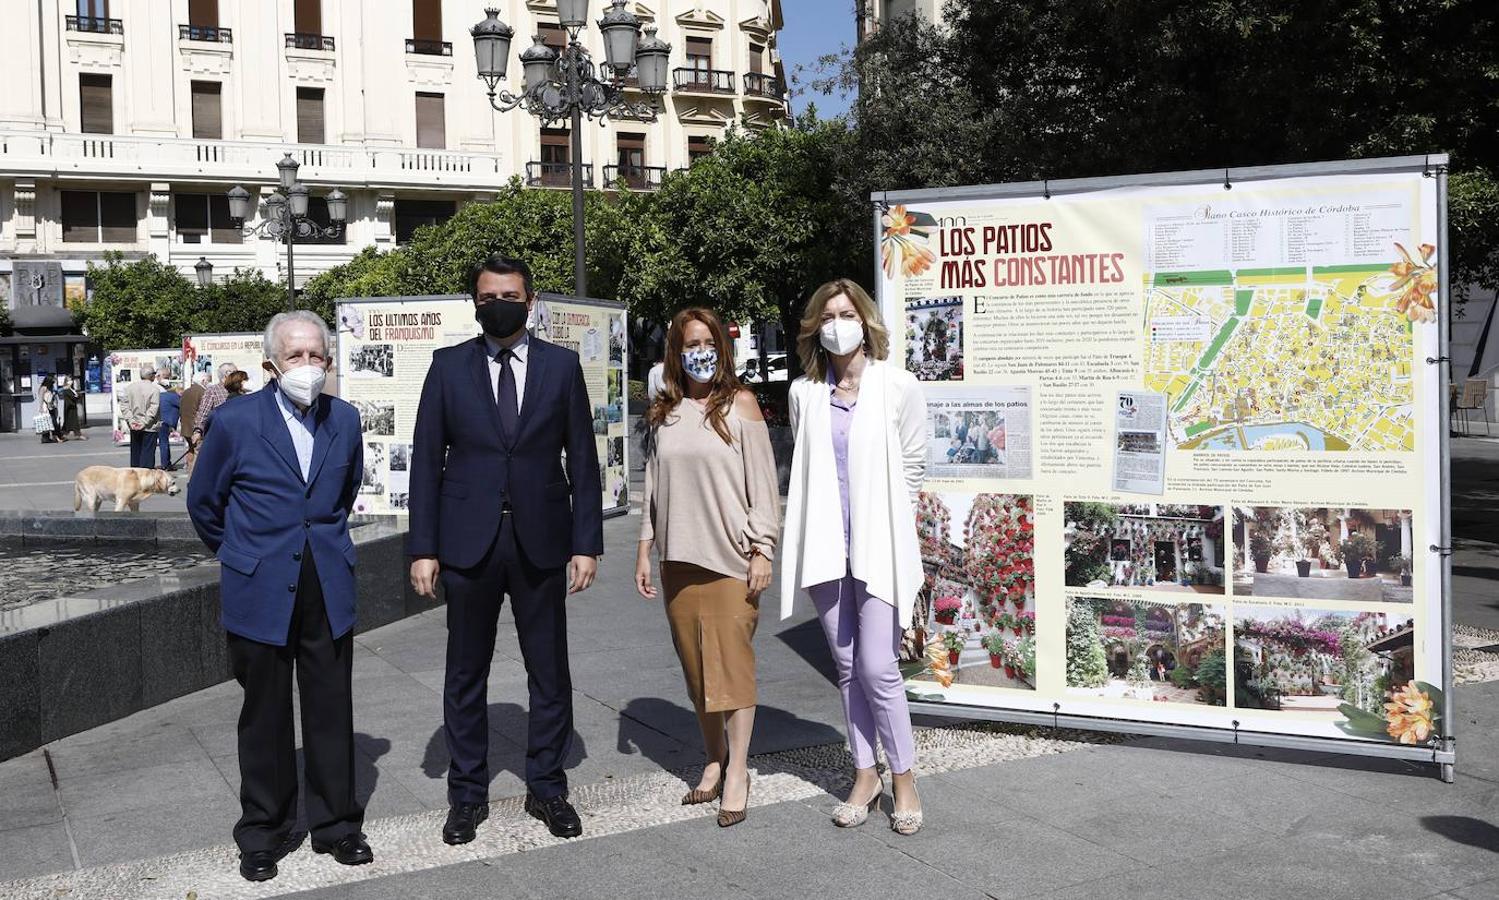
[207, 352]
[1184, 451]
[385, 347]
[124, 367]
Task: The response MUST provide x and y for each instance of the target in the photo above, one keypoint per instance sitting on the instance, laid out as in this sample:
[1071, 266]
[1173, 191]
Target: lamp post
[204, 268]
[286, 217]
[568, 85]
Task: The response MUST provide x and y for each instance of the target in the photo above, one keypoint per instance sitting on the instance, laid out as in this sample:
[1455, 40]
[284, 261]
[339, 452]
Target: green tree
[1087, 666]
[141, 304]
[244, 302]
[369, 274]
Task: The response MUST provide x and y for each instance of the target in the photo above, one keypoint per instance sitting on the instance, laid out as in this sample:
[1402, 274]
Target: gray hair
[296, 315]
[148, 371]
[204, 377]
[225, 370]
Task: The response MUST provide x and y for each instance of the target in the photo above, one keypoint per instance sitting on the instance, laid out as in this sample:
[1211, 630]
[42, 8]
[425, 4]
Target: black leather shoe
[463, 820]
[259, 865]
[559, 815]
[349, 850]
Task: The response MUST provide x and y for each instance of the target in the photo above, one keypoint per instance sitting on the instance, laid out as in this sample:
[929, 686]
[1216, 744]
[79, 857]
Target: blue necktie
[509, 408]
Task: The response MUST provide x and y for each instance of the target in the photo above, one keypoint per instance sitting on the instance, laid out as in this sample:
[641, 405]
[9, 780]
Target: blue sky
[813, 28]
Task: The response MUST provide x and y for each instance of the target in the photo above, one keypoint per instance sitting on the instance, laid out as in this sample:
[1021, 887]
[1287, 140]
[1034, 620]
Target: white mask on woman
[841, 337]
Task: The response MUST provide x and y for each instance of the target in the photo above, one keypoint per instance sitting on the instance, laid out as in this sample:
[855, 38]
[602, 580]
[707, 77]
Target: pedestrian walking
[712, 511]
[494, 512]
[213, 397]
[71, 399]
[171, 411]
[860, 428]
[277, 478]
[142, 402]
[45, 421]
[188, 417]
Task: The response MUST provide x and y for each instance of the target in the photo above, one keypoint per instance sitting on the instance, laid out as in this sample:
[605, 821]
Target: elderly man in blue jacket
[271, 494]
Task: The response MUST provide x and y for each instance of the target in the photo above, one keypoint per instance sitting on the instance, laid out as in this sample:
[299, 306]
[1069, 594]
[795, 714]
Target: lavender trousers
[865, 640]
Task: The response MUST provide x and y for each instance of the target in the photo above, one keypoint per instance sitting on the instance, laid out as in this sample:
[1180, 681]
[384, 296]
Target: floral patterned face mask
[700, 365]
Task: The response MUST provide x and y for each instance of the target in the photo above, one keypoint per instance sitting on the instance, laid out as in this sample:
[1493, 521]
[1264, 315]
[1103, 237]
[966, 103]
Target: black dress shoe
[258, 865]
[349, 850]
[559, 815]
[463, 819]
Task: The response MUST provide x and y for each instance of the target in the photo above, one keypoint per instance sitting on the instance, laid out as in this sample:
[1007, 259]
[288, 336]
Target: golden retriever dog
[127, 487]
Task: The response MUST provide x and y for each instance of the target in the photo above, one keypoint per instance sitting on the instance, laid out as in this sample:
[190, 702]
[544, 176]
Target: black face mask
[501, 318]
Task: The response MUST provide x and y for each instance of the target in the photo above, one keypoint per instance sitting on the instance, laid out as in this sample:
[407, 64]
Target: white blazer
[886, 465]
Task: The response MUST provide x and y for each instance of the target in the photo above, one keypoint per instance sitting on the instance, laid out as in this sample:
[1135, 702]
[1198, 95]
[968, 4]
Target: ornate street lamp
[204, 268]
[285, 219]
[568, 85]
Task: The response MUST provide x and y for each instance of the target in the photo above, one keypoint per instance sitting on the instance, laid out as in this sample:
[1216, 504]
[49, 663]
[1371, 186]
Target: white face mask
[700, 365]
[302, 384]
[841, 337]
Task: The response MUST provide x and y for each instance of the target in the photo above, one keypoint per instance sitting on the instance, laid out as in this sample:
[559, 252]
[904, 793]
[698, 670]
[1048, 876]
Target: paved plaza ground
[143, 807]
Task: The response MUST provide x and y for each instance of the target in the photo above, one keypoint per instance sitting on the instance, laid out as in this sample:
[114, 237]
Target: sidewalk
[143, 807]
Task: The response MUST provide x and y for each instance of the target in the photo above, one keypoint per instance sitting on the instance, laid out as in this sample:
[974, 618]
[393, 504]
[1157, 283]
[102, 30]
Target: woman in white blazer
[850, 534]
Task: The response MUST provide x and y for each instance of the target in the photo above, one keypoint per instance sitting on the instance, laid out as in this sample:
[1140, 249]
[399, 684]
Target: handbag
[41, 423]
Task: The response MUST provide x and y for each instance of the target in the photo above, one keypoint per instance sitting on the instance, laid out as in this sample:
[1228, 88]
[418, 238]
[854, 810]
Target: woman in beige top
[712, 508]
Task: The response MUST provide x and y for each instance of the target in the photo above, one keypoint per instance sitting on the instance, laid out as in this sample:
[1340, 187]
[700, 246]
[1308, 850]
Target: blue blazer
[251, 507]
[464, 468]
[171, 408]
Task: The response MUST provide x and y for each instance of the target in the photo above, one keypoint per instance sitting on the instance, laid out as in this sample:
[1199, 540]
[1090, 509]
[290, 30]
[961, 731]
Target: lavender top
[843, 420]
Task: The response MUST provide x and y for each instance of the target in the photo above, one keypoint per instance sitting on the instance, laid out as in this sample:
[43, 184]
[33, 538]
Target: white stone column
[1405, 535]
[1343, 525]
[344, 108]
[150, 70]
[259, 69]
[158, 226]
[25, 217]
[20, 69]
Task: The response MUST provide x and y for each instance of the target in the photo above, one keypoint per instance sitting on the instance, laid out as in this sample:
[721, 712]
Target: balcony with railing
[425, 47]
[94, 25]
[703, 81]
[300, 41]
[763, 86]
[555, 174]
[141, 158]
[636, 178]
[211, 34]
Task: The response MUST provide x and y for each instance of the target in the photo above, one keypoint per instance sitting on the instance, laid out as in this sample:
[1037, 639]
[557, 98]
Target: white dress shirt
[301, 426]
[521, 349]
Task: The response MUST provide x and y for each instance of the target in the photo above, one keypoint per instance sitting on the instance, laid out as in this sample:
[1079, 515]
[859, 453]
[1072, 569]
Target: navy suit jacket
[171, 408]
[251, 506]
[464, 467]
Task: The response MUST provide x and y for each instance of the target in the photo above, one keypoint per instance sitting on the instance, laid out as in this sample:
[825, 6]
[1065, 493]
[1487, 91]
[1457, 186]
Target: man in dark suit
[189, 414]
[494, 511]
[271, 496]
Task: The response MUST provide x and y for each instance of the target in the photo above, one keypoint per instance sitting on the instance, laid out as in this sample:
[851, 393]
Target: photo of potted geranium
[1358, 551]
[1027, 622]
[1010, 655]
[954, 640]
[946, 609]
[994, 642]
[1027, 664]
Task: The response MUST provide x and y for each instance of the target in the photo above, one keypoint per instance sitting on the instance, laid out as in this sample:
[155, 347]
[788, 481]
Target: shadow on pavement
[1464, 830]
[645, 720]
[809, 642]
[504, 756]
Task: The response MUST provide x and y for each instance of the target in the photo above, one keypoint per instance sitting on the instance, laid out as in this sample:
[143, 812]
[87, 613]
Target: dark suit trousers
[267, 741]
[143, 449]
[538, 598]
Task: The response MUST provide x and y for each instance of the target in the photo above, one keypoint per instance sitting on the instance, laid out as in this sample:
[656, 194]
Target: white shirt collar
[520, 348]
[289, 410]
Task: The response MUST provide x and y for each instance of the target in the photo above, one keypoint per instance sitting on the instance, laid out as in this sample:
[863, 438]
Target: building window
[203, 13]
[99, 217]
[413, 214]
[426, 29]
[631, 152]
[553, 35]
[93, 9]
[203, 217]
[310, 116]
[307, 18]
[700, 53]
[317, 212]
[698, 146]
[556, 146]
[96, 104]
[208, 115]
[431, 122]
[757, 59]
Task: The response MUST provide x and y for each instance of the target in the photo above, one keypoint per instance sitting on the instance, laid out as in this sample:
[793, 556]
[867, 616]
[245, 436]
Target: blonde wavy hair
[809, 345]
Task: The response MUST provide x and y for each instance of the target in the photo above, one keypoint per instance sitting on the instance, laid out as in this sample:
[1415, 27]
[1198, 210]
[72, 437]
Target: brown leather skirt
[713, 627]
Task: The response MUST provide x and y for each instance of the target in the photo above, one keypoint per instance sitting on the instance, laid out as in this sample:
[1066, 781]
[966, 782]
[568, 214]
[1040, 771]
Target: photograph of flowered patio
[1311, 659]
[1324, 553]
[1142, 650]
[934, 338]
[1169, 547]
[975, 619]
